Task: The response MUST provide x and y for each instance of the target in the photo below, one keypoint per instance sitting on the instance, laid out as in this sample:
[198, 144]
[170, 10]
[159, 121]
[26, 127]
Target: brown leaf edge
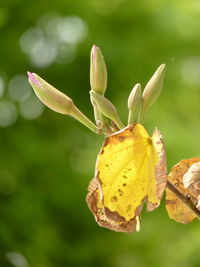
[106, 218]
[160, 168]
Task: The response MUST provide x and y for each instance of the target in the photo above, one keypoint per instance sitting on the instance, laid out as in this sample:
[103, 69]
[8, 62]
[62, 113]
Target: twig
[186, 200]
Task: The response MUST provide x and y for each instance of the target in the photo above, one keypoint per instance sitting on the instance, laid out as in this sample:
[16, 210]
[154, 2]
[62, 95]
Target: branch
[186, 200]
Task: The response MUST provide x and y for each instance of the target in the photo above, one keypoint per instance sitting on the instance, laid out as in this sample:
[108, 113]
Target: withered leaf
[176, 209]
[130, 170]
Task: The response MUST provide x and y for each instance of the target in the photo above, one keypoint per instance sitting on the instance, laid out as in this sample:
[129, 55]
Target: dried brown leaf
[176, 209]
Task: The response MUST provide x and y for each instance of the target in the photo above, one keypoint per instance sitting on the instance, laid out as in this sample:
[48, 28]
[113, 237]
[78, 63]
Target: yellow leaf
[176, 209]
[130, 170]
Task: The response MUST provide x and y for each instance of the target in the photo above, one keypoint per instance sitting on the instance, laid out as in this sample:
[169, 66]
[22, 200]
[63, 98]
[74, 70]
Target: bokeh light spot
[28, 38]
[54, 39]
[42, 52]
[31, 108]
[8, 113]
[18, 88]
[17, 259]
[71, 30]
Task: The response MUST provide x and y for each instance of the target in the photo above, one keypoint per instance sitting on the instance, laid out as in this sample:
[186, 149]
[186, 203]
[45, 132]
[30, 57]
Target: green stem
[186, 200]
[131, 117]
[77, 114]
[118, 122]
[96, 112]
[142, 114]
[99, 118]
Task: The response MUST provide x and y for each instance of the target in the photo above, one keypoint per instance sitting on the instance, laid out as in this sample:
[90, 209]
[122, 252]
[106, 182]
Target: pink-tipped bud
[57, 101]
[49, 95]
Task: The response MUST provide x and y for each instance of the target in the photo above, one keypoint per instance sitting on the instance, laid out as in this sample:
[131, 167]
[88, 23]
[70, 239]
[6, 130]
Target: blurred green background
[47, 160]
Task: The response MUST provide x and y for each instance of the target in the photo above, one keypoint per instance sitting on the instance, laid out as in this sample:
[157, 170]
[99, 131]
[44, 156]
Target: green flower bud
[106, 108]
[49, 95]
[57, 101]
[134, 102]
[152, 90]
[98, 72]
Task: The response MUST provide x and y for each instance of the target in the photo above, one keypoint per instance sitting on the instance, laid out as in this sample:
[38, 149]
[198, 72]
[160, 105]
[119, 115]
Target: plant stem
[119, 123]
[131, 117]
[99, 118]
[186, 200]
[142, 113]
[77, 114]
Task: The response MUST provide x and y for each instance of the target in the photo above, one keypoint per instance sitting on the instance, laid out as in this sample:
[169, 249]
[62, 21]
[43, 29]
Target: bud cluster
[105, 113]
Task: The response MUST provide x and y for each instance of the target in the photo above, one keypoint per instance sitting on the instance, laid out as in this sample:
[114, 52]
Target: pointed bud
[134, 102]
[152, 90]
[49, 95]
[106, 108]
[98, 72]
[57, 101]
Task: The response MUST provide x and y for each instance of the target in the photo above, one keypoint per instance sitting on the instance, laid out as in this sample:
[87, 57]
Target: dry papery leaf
[176, 209]
[130, 170]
